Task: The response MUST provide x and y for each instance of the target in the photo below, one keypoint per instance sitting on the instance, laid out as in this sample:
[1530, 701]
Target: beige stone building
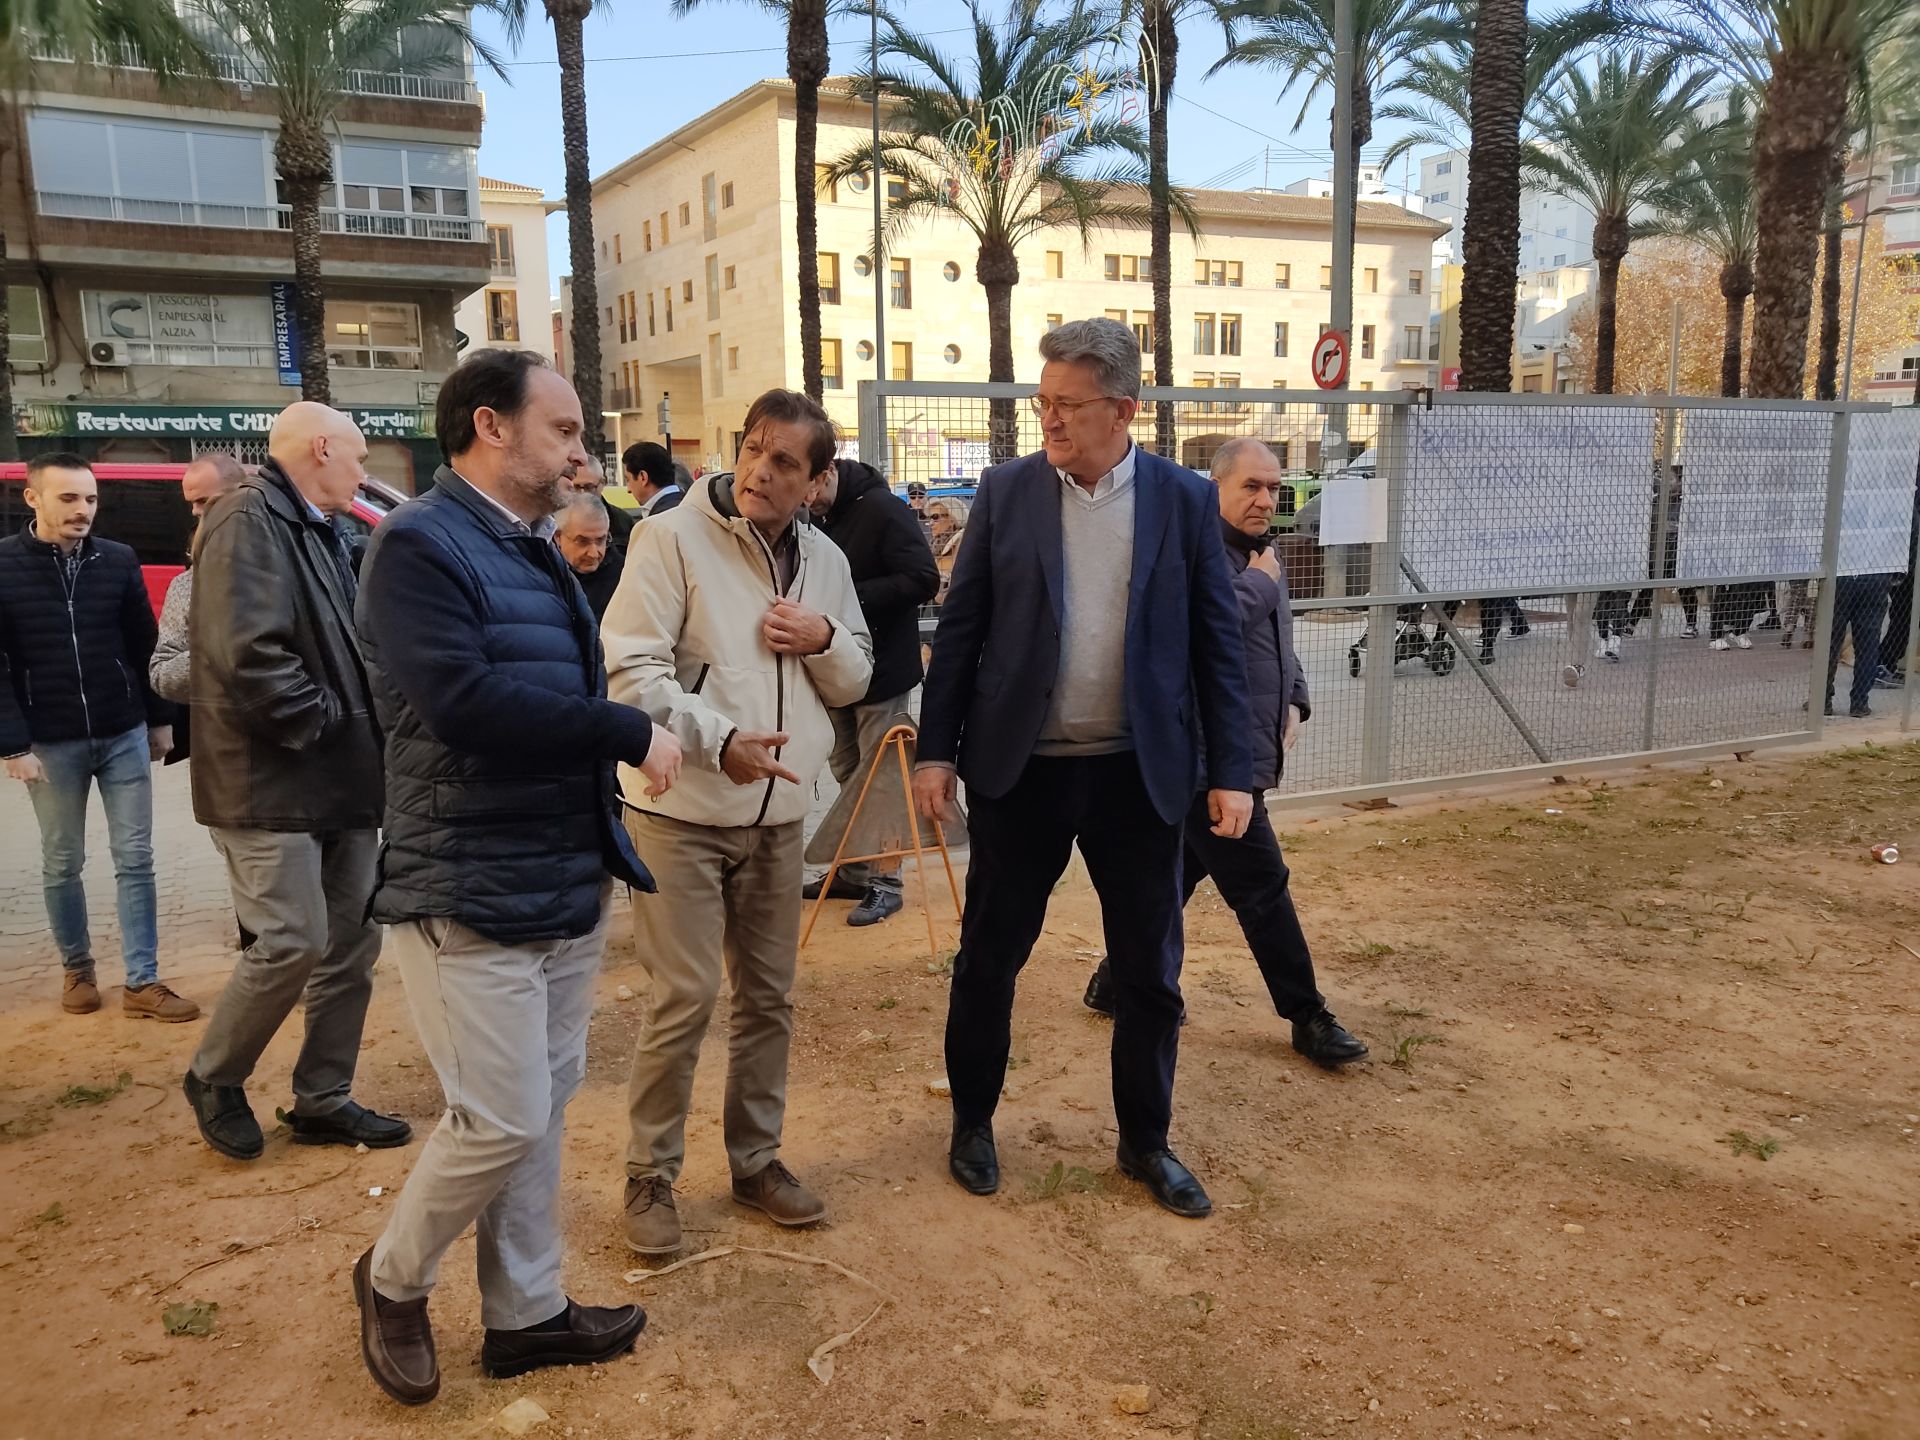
[513, 310]
[698, 271]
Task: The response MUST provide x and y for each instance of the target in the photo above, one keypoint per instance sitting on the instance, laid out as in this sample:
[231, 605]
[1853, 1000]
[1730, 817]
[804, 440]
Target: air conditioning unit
[109, 354]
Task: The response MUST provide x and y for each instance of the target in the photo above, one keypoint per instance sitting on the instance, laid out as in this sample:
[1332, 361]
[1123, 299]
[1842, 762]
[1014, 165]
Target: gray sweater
[1088, 713]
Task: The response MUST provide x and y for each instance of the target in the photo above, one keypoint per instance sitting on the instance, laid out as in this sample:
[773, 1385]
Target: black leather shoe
[1326, 1042]
[395, 1340]
[1099, 996]
[588, 1335]
[1167, 1180]
[842, 889]
[973, 1160]
[877, 903]
[351, 1124]
[225, 1119]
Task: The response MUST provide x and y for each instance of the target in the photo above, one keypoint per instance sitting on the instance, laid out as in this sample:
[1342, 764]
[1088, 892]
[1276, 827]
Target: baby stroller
[1410, 642]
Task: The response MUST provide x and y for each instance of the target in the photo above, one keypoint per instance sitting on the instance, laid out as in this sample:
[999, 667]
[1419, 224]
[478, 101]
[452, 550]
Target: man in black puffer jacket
[1250, 872]
[76, 634]
[501, 834]
[894, 575]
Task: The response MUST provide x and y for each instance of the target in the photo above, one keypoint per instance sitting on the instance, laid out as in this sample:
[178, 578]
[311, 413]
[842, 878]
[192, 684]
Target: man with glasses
[1088, 681]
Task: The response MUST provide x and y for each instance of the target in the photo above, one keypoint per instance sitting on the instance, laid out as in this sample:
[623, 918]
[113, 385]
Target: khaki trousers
[729, 900]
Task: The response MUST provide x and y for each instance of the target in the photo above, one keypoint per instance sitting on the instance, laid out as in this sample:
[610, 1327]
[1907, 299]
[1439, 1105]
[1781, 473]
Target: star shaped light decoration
[980, 152]
[1088, 87]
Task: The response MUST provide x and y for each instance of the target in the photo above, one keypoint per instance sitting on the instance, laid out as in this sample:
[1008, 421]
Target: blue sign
[286, 333]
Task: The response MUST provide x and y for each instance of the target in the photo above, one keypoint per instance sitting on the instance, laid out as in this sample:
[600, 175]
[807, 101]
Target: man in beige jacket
[736, 627]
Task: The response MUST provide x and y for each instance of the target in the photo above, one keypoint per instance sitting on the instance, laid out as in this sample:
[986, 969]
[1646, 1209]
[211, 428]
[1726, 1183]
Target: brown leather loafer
[395, 1340]
[780, 1197]
[79, 992]
[586, 1335]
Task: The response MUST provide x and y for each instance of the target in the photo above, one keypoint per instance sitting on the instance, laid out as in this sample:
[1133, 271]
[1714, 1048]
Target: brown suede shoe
[396, 1340]
[780, 1197]
[157, 1002]
[653, 1221]
[79, 995]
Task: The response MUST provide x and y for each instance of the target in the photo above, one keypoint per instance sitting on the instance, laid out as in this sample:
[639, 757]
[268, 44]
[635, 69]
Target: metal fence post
[1656, 562]
[1376, 722]
[873, 439]
[1829, 574]
[1912, 653]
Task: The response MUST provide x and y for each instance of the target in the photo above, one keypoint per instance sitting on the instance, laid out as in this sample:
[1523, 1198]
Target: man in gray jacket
[1249, 871]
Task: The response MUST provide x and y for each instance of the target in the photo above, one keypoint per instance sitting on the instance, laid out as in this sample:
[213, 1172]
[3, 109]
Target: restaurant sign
[113, 422]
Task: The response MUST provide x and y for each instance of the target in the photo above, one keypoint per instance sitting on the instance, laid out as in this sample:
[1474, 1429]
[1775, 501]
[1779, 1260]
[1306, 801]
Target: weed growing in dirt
[1372, 950]
[887, 1003]
[77, 1095]
[944, 965]
[1202, 1300]
[1407, 1012]
[1033, 1396]
[54, 1214]
[190, 1317]
[1741, 1143]
[1404, 1046]
[1060, 1180]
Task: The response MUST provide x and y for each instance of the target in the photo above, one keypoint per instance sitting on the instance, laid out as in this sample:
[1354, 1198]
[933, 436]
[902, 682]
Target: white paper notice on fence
[1532, 499]
[1353, 510]
[1876, 510]
[1754, 488]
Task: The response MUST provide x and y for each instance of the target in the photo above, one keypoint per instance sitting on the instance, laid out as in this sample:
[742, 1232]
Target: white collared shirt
[654, 500]
[1114, 480]
[542, 529]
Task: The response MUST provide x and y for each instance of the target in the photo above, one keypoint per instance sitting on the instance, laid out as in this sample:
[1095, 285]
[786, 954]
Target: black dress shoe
[877, 903]
[351, 1124]
[395, 1340]
[973, 1160]
[842, 888]
[582, 1335]
[1326, 1042]
[225, 1119]
[1167, 1180]
[1099, 996]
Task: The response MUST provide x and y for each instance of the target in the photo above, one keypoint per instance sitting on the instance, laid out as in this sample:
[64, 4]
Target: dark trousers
[1610, 613]
[1893, 648]
[1498, 611]
[1859, 605]
[1735, 606]
[1251, 876]
[1021, 844]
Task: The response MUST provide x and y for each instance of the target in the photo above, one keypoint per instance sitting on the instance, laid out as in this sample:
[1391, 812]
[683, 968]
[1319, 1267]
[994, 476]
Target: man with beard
[502, 831]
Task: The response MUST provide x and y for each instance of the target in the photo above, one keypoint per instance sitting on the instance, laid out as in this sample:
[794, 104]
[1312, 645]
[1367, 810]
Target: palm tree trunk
[1491, 238]
[1159, 31]
[1736, 284]
[807, 67]
[1802, 124]
[305, 162]
[1826, 376]
[998, 271]
[1610, 239]
[569, 24]
[9, 440]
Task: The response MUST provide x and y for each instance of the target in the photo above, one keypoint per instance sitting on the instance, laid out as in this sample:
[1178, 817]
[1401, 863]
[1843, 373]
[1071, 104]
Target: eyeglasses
[1041, 405]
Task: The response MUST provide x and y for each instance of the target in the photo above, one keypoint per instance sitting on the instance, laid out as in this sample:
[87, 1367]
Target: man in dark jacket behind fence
[286, 777]
[893, 575]
[1249, 871]
[76, 634]
[502, 831]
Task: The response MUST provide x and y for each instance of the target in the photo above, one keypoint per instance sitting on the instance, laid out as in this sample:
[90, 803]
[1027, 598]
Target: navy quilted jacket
[75, 641]
[502, 808]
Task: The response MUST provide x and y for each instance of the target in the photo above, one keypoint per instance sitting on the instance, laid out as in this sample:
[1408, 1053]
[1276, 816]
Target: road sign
[1330, 360]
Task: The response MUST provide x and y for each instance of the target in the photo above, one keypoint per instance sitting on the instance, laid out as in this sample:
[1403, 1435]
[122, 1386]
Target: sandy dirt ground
[1635, 1154]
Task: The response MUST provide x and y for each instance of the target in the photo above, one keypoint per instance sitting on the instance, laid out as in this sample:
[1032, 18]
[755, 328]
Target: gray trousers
[304, 898]
[729, 896]
[506, 1029]
[857, 733]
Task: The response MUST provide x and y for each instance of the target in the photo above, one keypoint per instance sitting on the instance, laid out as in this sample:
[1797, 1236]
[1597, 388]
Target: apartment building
[513, 311]
[151, 266]
[1892, 193]
[700, 302]
[1555, 232]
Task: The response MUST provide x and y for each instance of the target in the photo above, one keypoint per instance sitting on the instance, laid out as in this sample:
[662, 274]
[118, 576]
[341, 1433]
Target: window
[900, 283]
[686, 292]
[1231, 382]
[1143, 330]
[863, 265]
[1561, 233]
[1440, 197]
[663, 227]
[713, 362]
[1128, 267]
[646, 236]
[896, 189]
[828, 191]
[503, 316]
[1445, 167]
[951, 354]
[950, 271]
[1906, 178]
[1559, 260]
[902, 352]
[616, 251]
[159, 328]
[713, 287]
[1414, 343]
[686, 214]
[500, 249]
[1119, 315]
[1283, 277]
[831, 376]
[1217, 272]
[1373, 280]
[26, 326]
[1366, 342]
[1054, 322]
[373, 335]
[650, 329]
[732, 283]
[1279, 339]
[669, 298]
[864, 350]
[829, 278]
[858, 183]
[726, 196]
[1203, 335]
[1416, 281]
[1229, 334]
[1326, 277]
[733, 357]
[609, 315]
[709, 207]
[1056, 264]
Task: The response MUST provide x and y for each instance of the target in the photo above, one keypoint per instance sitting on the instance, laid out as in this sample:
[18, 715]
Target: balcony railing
[240, 69]
[621, 398]
[255, 217]
[503, 269]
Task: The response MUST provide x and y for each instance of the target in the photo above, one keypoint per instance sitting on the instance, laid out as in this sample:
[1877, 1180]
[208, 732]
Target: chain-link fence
[1490, 583]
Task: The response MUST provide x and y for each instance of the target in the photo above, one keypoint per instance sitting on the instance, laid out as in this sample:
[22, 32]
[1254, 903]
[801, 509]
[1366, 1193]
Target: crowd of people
[455, 745]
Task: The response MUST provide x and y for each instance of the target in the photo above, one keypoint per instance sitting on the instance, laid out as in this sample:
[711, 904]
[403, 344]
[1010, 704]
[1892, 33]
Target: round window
[864, 349]
[858, 184]
[863, 265]
[952, 352]
[950, 270]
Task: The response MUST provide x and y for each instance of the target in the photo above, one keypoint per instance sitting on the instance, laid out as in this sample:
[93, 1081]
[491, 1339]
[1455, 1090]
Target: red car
[141, 506]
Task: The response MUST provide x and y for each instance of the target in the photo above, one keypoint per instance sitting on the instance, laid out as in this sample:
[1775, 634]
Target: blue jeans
[120, 765]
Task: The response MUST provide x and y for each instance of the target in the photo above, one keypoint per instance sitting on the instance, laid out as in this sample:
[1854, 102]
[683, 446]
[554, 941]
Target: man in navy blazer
[1088, 664]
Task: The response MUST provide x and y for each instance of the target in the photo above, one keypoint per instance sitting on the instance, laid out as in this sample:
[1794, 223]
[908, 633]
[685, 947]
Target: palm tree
[303, 50]
[1612, 141]
[1010, 142]
[806, 68]
[1713, 203]
[147, 33]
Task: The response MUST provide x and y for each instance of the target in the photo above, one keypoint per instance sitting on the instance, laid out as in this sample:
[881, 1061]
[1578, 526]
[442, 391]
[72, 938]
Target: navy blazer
[997, 651]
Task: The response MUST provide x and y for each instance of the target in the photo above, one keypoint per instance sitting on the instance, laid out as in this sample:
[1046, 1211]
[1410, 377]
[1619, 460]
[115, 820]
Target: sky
[648, 74]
